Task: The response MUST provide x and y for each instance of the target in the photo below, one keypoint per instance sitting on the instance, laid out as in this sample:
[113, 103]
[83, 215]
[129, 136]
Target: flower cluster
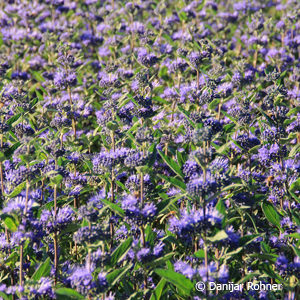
[149, 145]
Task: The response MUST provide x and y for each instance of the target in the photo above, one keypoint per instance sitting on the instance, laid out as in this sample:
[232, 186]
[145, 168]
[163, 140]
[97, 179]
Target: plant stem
[132, 35]
[2, 183]
[55, 237]
[143, 241]
[21, 246]
[27, 197]
[73, 120]
[89, 250]
[255, 58]
[76, 202]
[113, 141]
[111, 225]
[42, 189]
[1, 168]
[219, 110]
[21, 265]
[204, 213]
[142, 189]
[175, 101]
[112, 191]
[89, 262]
[55, 257]
[55, 201]
[61, 140]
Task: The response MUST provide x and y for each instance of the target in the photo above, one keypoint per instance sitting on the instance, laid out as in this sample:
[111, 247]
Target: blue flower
[45, 288]
[17, 206]
[185, 269]
[149, 210]
[82, 280]
[102, 283]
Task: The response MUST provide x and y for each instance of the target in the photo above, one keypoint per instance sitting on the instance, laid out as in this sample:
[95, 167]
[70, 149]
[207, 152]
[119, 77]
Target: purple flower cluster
[137, 214]
[148, 145]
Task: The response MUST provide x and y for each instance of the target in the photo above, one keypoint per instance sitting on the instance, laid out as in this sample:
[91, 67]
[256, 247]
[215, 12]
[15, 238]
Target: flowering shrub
[147, 146]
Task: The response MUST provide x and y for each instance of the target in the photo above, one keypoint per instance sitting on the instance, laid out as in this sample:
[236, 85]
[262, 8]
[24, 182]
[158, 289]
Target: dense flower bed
[147, 146]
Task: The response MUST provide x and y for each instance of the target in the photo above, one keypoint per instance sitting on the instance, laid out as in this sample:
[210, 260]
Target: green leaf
[212, 105]
[114, 207]
[32, 103]
[224, 148]
[17, 190]
[103, 138]
[12, 149]
[295, 187]
[271, 213]
[149, 235]
[176, 182]
[237, 144]
[187, 116]
[265, 247]
[247, 239]
[120, 251]
[163, 73]
[229, 117]
[4, 296]
[180, 159]
[116, 275]
[182, 16]
[221, 208]
[296, 250]
[171, 163]
[38, 76]
[122, 186]
[161, 260]
[266, 269]
[294, 150]
[41, 131]
[180, 281]
[70, 293]
[10, 223]
[70, 228]
[229, 127]
[112, 125]
[296, 218]
[248, 215]
[13, 119]
[160, 100]
[12, 259]
[164, 206]
[293, 111]
[153, 155]
[229, 254]
[157, 293]
[271, 122]
[39, 95]
[249, 276]
[294, 235]
[264, 256]
[57, 179]
[43, 270]
[13, 135]
[254, 149]
[168, 38]
[221, 235]
[2, 157]
[200, 254]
